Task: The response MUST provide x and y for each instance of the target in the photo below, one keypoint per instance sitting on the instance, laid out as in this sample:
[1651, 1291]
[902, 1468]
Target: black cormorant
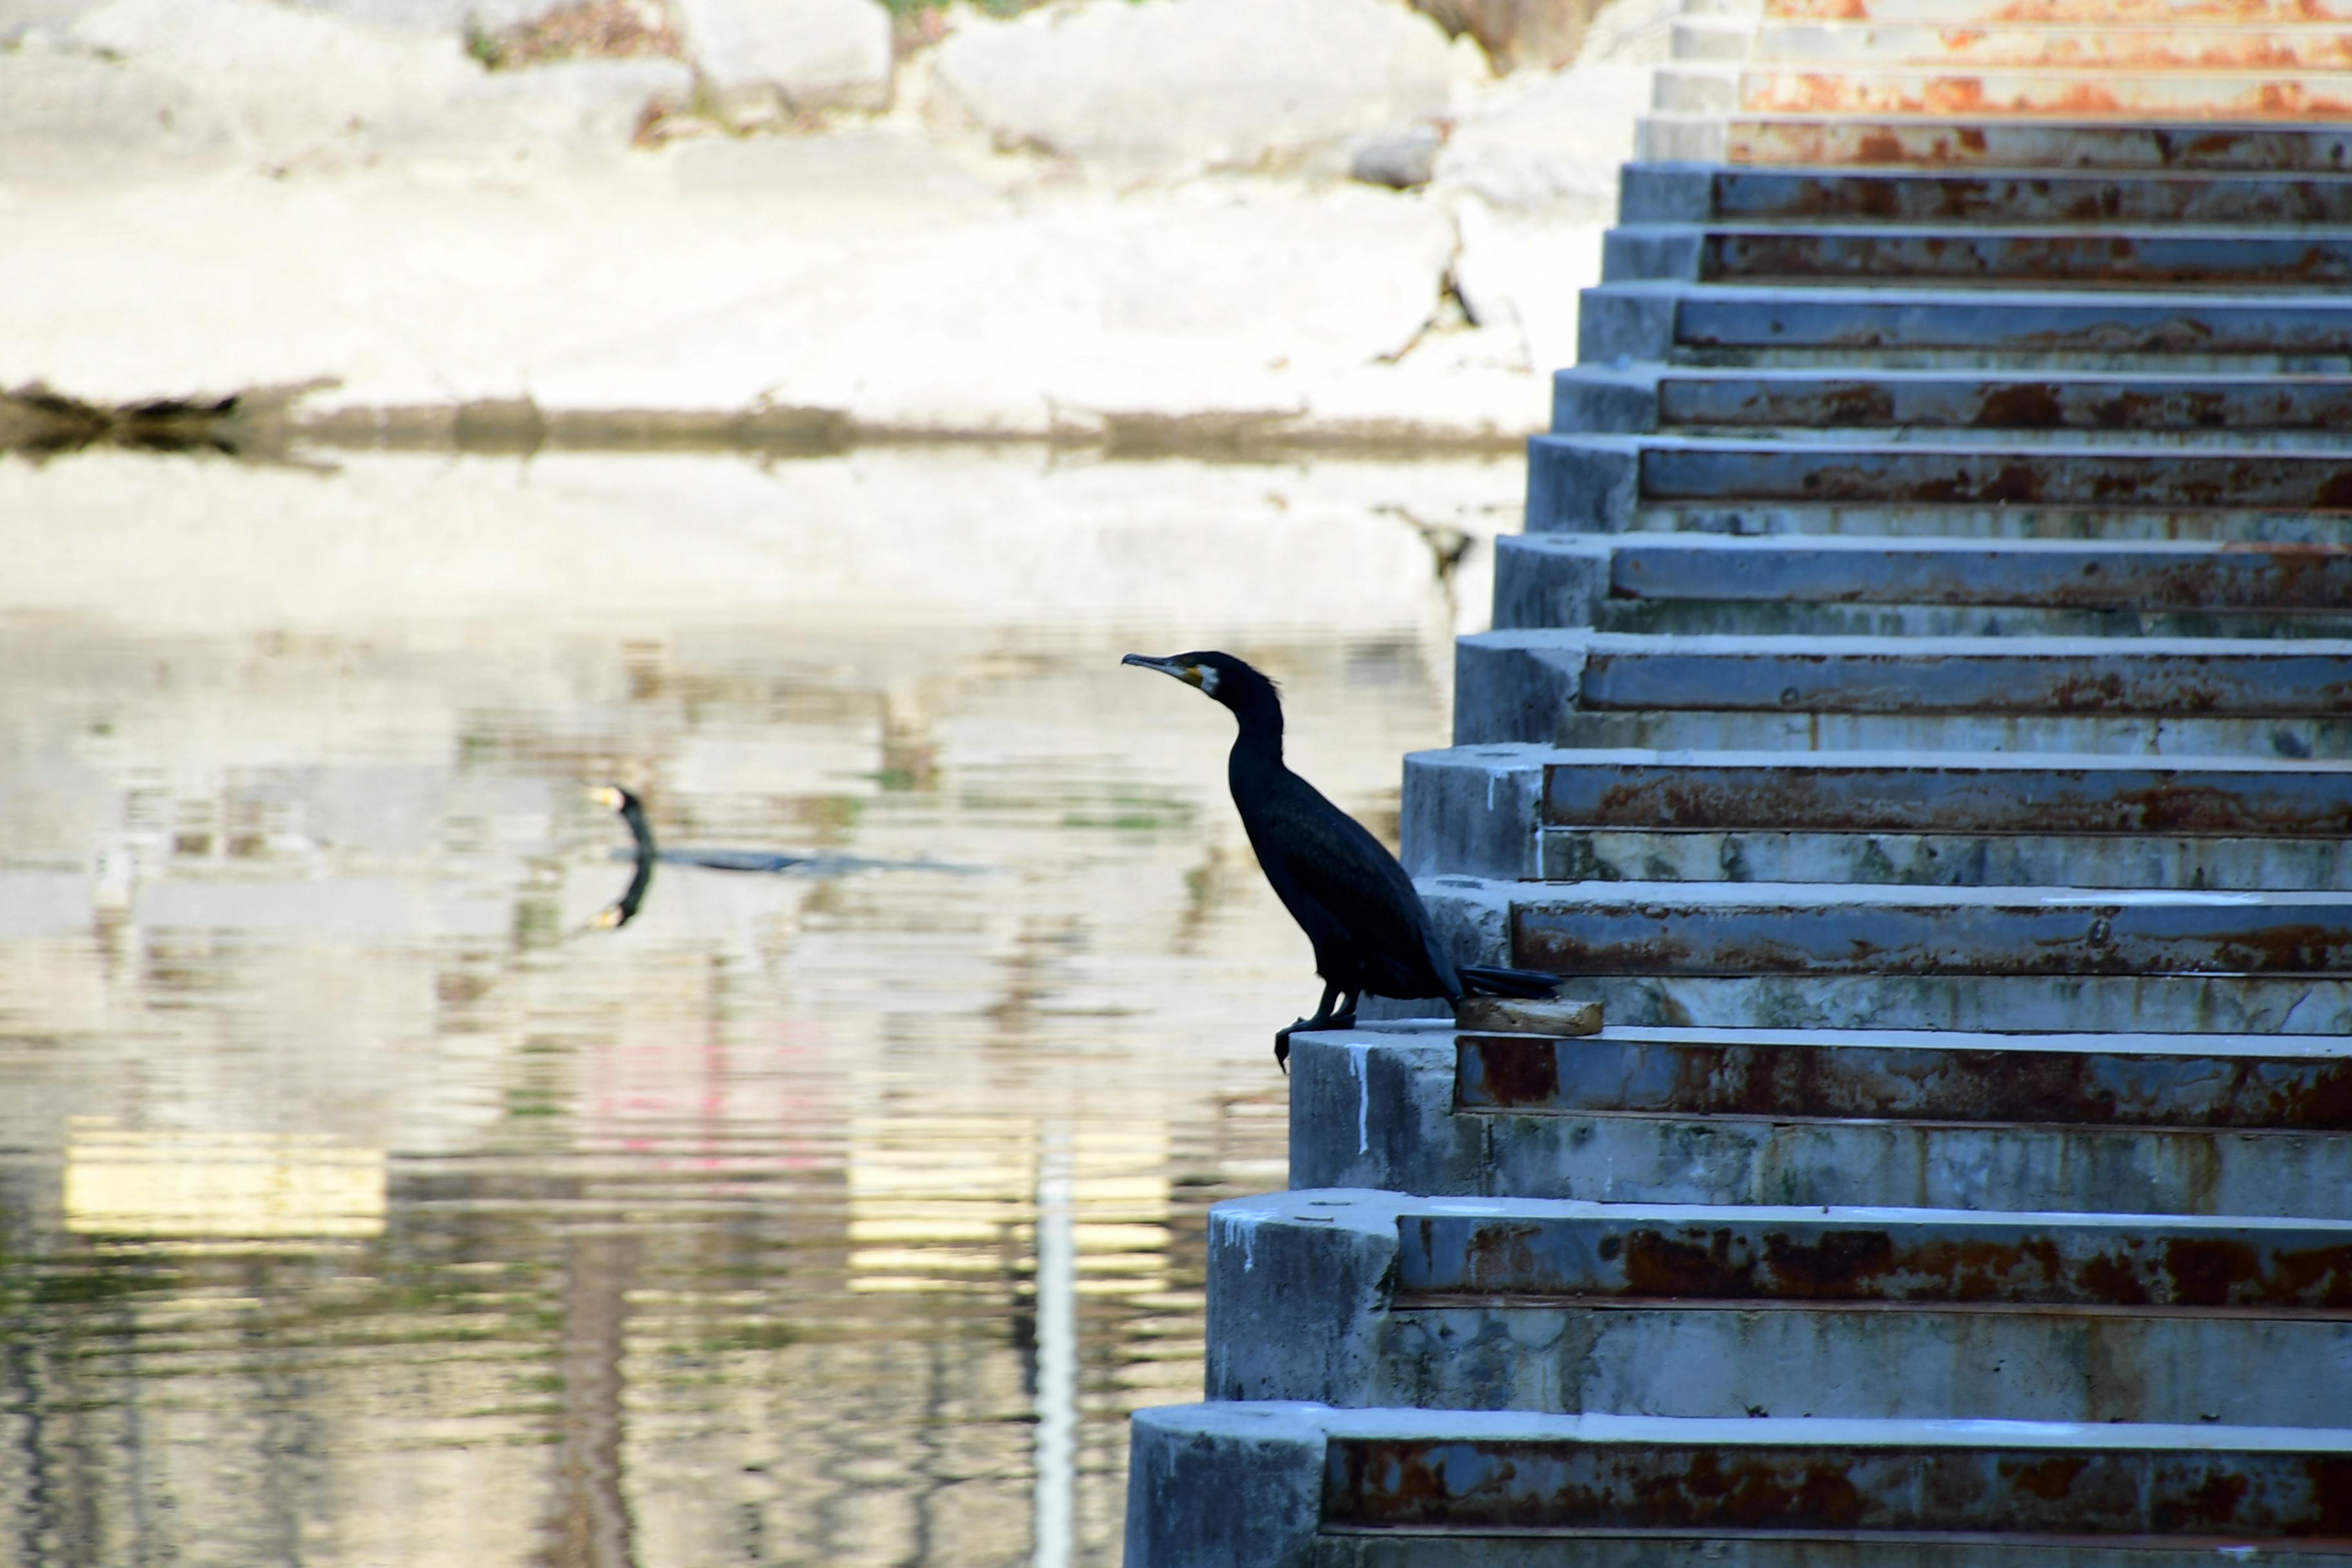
[1370, 932]
[624, 910]
[632, 810]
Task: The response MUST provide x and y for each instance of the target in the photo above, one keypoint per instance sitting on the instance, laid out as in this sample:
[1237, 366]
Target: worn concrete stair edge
[2211, 677]
[1997, 959]
[1864, 998]
[2254, 1083]
[1970, 255]
[1745, 616]
[1561, 580]
[1611, 484]
[1384, 1106]
[1988, 523]
[1970, 12]
[1643, 399]
[1483, 810]
[1700, 193]
[1582, 1549]
[1739, 928]
[2286, 47]
[1777, 586]
[1987, 92]
[1284, 1485]
[1469, 838]
[1602, 484]
[1942, 859]
[1682, 138]
[1716, 35]
[1359, 1298]
[1703, 468]
[1732, 730]
[2028, 794]
[1688, 323]
[2239, 796]
[2002, 143]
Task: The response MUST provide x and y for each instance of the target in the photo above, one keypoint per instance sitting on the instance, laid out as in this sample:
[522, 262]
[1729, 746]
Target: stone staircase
[1920, 711]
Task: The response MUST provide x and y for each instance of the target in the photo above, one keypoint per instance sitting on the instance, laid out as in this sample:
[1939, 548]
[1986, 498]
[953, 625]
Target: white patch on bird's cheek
[1207, 678]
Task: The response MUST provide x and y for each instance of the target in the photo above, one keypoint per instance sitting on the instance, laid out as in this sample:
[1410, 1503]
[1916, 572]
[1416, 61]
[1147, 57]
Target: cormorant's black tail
[1529, 984]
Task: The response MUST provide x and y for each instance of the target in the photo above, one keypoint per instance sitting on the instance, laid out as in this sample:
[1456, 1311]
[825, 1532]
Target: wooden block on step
[1510, 1015]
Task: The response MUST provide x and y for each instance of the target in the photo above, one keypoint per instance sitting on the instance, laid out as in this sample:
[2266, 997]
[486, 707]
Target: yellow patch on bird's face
[608, 797]
[1202, 675]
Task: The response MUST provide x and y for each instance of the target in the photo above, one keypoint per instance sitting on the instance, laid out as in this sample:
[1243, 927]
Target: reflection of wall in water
[297, 854]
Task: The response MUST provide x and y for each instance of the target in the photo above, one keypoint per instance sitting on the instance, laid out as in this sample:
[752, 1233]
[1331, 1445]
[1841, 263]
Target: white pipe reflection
[1057, 1350]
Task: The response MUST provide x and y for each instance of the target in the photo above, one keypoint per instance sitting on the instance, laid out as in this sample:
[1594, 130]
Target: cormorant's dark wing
[1343, 887]
[1528, 985]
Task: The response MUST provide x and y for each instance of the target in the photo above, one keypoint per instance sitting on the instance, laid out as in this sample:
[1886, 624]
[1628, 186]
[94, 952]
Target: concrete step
[1704, 193]
[1701, 194]
[1835, 956]
[1541, 813]
[1869, 523]
[2000, 1004]
[2274, 1083]
[2198, 46]
[1261, 1484]
[1713, 36]
[2147, 13]
[1355, 1298]
[1945, 256]
[1511, 686]
[1563, 576]
[1727, 731]
[2233, 797]
[1978, 141]
[1942, 406]
[2125, 1123]
[1708, 470]
[1736, 618]
[1533, 673]
[1581, 483]
[1679, 323]
[1861, 87]
[1941, 859]
[1576, 928]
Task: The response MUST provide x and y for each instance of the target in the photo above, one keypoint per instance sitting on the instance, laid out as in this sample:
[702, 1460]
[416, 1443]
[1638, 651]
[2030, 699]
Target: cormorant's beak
[606, 797]
[1190, 674]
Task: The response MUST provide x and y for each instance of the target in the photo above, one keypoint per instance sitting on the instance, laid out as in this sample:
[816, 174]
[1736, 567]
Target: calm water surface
[362, 1204]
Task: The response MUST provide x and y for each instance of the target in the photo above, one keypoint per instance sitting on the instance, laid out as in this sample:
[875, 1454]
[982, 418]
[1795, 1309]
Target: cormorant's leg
[1345, 1018]
[1322, 1019]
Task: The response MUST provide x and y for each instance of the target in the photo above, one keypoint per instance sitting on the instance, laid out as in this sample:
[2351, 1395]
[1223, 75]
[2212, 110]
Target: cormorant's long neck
[639, 829]
[1259, 714]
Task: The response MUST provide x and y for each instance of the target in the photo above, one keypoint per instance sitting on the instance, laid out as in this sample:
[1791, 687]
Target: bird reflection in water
[646, 853]
[1372, 933]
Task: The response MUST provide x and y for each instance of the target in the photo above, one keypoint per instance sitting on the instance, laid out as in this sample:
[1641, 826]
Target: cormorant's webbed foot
[1322, 1020]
